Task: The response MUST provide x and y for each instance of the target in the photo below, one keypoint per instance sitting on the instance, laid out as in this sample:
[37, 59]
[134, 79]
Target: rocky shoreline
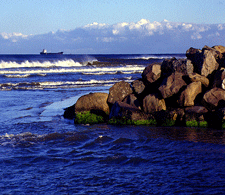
[179, 92]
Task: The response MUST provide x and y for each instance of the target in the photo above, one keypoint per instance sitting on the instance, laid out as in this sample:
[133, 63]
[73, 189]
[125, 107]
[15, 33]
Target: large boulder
[188, 96]
[172, 65]
[152, 73]
[210, 63]
[194, 77]
[121, 110]
[119, 91]
[205, 61]
[95, 102]
[172, 85]
[138, 86]
[214, 98]
[152, 103]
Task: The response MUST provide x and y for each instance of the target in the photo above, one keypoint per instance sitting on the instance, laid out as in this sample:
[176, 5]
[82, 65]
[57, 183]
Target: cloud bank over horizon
[99, 38]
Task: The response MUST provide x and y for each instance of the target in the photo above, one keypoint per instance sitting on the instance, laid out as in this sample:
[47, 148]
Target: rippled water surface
[112, 160]
[43, 153]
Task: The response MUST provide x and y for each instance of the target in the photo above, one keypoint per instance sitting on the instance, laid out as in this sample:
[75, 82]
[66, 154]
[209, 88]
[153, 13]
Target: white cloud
[196, 36]
[143, 36]
[95, 25]
[13, 35]
[221, 26]
[187, 26]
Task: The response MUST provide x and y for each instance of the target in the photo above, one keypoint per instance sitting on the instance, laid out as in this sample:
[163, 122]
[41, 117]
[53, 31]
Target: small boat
[44, 52]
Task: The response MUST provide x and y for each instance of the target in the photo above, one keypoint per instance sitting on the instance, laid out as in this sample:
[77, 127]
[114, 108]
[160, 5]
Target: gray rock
[170, 66]
[152, 103]
[204, 61]
[152, 73]
[172, 85]
[119, 91]
[138, 86]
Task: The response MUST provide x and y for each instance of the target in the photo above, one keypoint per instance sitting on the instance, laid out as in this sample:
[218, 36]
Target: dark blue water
[43, 153]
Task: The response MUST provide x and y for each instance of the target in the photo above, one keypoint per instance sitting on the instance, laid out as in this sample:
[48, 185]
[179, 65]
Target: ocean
[43, 153]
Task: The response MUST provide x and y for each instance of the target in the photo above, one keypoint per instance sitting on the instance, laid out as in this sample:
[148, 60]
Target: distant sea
[43, 153]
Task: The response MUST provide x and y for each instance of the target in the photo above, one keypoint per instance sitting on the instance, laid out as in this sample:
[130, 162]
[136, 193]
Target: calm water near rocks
[43, 153]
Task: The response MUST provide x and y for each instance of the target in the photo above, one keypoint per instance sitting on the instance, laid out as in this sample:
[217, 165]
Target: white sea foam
[60, 84]
[36, 64]
[159, 57]
[94, 70]
[17, 75]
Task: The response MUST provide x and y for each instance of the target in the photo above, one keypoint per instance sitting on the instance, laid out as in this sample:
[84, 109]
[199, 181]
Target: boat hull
[43, 53]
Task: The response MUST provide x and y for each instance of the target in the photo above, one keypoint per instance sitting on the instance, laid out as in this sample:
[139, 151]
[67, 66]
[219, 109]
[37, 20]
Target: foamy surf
[37, 64]
[85, 70]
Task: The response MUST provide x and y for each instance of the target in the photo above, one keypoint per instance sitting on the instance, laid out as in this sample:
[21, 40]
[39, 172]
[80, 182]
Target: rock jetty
[182, 92]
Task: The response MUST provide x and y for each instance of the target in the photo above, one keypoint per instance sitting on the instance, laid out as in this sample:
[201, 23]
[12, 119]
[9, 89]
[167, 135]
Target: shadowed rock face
[121, 110]
[132, 100]
[172, 85]
[170, 66]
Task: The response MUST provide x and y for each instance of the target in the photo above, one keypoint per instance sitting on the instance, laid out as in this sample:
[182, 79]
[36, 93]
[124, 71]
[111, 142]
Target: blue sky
[42, 16]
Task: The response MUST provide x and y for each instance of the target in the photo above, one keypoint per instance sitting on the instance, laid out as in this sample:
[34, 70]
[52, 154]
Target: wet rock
[170, 117]
[188, 96]
[121, 110]
[195, 113]
[152, 103]
[69, 112]
[172, 85]
[119, 91]
[95, 102]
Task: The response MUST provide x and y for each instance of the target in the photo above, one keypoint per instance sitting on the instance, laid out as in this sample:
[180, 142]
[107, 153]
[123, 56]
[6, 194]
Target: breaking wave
[37, 64]
[157, 57]
[60, 84]
[83, 70]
